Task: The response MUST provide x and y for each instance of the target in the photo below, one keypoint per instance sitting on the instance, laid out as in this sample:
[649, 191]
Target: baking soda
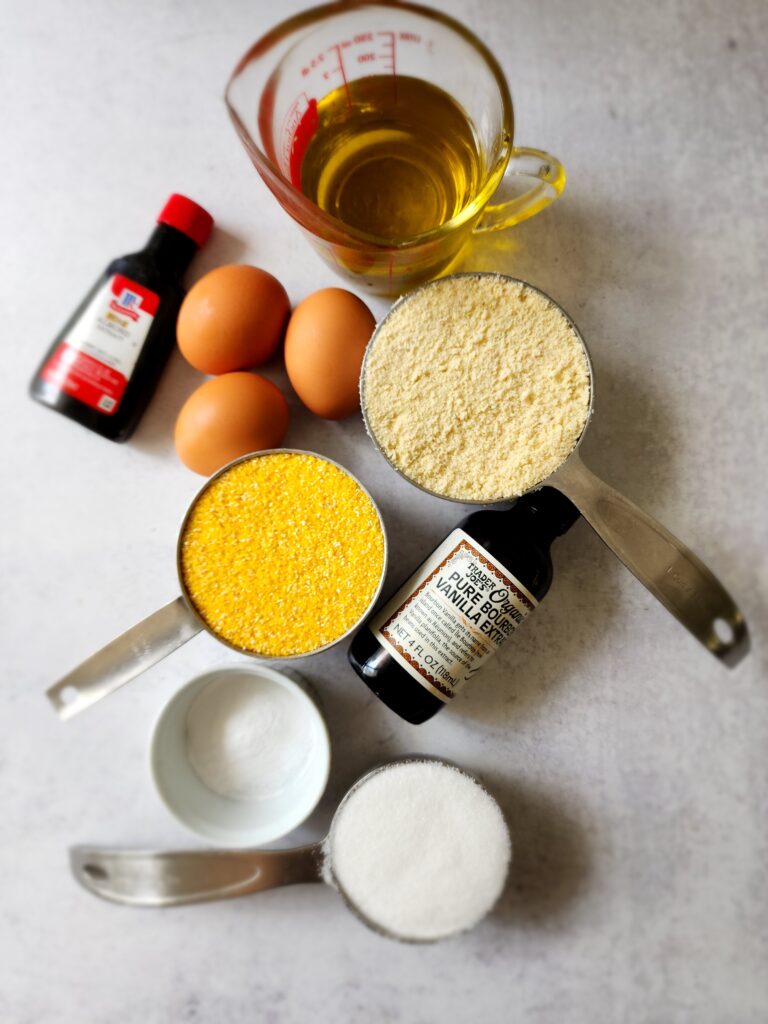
[248, 738]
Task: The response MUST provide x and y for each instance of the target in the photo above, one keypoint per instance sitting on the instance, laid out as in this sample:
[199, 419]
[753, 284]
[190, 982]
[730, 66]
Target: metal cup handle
[124, 658]
[662, 563]
[171, 878]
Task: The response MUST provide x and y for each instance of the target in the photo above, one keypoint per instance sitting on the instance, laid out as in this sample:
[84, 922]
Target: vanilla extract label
[452, 614]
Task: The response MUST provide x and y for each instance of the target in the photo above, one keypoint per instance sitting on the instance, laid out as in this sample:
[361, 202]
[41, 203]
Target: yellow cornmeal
[476, 387]
[282, 554]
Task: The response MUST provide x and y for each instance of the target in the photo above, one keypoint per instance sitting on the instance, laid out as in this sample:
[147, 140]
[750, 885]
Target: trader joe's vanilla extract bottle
[460, 605]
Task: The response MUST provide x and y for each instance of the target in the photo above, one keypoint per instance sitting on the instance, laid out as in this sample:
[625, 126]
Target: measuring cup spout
[662, 563]
[124, 658]
[171, 878]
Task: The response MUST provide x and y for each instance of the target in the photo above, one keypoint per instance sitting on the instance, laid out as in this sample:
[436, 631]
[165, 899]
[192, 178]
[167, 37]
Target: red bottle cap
[188, 217]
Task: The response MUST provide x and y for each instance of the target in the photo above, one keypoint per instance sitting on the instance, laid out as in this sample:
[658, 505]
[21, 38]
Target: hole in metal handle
[67, 695]
[724, 631]
[728, 638]
[95, 871]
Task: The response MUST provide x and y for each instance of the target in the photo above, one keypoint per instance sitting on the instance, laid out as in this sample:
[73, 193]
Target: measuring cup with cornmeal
[478, 388]
[384, 130]
[280, 555]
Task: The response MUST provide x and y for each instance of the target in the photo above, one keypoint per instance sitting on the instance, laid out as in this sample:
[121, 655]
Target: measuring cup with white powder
[478, 388]
[418, 849]
[241, 755]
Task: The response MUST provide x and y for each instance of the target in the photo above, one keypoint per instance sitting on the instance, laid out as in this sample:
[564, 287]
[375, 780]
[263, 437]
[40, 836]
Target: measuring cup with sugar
[266, 502]
[418, 849]
[441, 338]
[384, 130]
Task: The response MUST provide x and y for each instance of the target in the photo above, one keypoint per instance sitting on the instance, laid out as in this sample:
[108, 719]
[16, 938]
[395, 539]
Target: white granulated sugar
[476, 387]
[420, 849]
[248, 738]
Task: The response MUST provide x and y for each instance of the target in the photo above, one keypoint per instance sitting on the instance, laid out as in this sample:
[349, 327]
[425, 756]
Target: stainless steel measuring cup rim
[189, 603]
[327, 872]
[436, 284]
[354, 236]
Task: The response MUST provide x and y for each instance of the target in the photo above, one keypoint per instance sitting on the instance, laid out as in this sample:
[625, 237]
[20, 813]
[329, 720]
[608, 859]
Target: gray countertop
[631, 765]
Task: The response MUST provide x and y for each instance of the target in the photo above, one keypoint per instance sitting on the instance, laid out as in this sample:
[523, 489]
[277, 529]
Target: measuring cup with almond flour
[418, 849]
[280, 555]
[478, 387]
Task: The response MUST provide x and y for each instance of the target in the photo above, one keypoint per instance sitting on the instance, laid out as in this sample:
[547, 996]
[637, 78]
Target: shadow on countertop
[550, 857]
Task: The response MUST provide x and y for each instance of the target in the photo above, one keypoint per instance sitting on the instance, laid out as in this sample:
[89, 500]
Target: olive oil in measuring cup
[392, 157]
[389, 175]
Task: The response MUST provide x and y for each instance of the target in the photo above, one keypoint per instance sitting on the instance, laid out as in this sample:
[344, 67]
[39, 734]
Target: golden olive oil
[392, 157]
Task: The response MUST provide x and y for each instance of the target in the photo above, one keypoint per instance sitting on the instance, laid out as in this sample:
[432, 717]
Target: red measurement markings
[314, 63]
[387, 56]
[302, 137]
[299, 126]
[337, 48]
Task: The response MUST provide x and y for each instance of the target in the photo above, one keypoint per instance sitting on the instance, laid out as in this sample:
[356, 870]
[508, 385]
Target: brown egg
[324, 347]
[232, 318]
[227, 417]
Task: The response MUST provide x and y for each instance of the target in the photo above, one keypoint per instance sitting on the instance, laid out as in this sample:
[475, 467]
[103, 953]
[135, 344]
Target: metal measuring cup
[668, 568]
[162, 632]
[172, 878]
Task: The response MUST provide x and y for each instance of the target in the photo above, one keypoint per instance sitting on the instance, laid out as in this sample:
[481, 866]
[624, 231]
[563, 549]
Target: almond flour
[476, 387]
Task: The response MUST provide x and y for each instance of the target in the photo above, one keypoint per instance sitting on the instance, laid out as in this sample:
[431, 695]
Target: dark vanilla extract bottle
[104, 364]
[460, 605]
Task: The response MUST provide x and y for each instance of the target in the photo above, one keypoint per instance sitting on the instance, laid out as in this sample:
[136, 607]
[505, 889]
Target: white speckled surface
[632, 767]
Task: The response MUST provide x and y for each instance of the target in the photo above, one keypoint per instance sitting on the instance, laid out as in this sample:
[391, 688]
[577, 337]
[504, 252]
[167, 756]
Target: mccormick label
[453, 613]
[95, 361]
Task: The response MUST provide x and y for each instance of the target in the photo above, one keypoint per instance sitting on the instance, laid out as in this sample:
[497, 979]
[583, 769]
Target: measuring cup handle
[549, 174]
[669, 569]
[175, 877]
[124, 658]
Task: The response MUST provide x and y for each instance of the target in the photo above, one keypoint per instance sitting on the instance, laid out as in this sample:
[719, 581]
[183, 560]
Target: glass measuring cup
[161, 633]
[272, 98]
[174, 878]
[668, 568]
